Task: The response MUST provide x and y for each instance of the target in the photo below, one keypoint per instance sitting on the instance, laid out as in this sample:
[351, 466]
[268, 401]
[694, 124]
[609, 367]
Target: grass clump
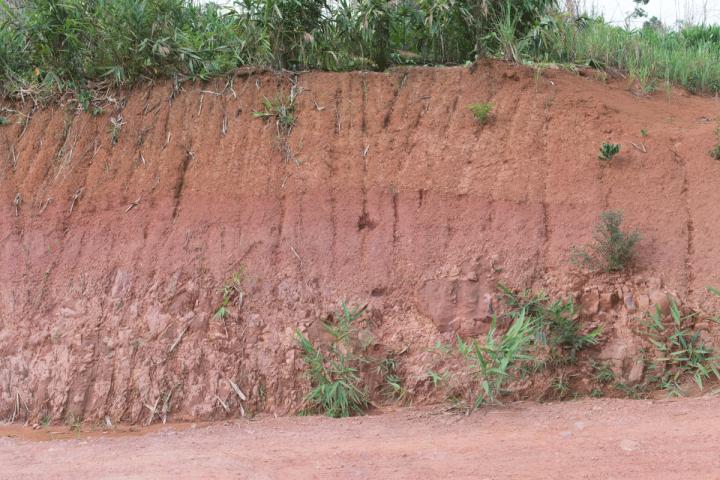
[603, 373]
[682, 353]
[612, 249]
[282, 109]
[556, 327]
[232, 293]
[481, 112]
[338, 390]
[560, 329]
[495, 361]
[608, 151]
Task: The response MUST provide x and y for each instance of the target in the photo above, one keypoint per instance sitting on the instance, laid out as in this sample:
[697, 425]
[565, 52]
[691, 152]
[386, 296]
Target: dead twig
[17, 202]
[166, 404]
[133, 204]
[640, 147]
[16, 410]
[237, 390]
[296, 254]
[44, 205]
[178, 339]
[202, 99]
[224, 405]
[75, 199]
[153, 411]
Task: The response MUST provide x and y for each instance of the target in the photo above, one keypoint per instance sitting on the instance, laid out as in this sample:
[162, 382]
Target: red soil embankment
[398, 198]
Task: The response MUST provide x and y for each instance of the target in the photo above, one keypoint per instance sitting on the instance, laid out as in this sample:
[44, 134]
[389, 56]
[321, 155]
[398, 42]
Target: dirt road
[585, 439]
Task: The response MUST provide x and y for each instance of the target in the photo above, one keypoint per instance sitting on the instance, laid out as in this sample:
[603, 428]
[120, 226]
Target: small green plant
[4, 121]
[612, 249]
[559, 328]
[116, 124]
[437, 378]
[561, 386]
[682, 354]
[556, 328]
[392, 383]
[597, 393]
[608, 151]
[603, 373]
[497, 360]
[231, 293]
[338, 390]
[481, 112]
[282, 110]
[643, 133]
[45, 421]
[636, 392]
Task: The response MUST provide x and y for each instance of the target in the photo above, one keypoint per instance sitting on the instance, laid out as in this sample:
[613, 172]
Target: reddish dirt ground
[598, 439]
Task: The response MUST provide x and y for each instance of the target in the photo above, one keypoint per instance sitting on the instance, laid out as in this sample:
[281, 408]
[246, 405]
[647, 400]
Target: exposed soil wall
[394, 196]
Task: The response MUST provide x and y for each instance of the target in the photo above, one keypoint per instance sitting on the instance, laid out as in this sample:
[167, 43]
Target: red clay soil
[598, 439]
[112, 256]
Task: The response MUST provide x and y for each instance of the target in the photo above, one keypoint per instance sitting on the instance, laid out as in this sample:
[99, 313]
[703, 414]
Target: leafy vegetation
[481, 112]
[608, 151]
[338, 390]
[689, 57]
[232, 293]
[55, 46]
[50, 46]
[282, 110]
[537, 333]
[682, 353]
[494, 362]
[612, 249]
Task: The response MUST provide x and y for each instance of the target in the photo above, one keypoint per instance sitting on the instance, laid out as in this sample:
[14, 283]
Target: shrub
[481, 112]
[608, 151]
[612, 249]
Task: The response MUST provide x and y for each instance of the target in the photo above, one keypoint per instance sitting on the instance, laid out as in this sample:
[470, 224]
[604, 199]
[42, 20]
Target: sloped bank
[113, 253]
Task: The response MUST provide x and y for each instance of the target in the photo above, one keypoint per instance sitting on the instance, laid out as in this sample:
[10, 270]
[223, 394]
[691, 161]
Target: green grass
[282, 109]
[51, 47]
[495, 361]
[681, 352]
[603, 373]
[337, 388]
[232, 294]
[481, 112]
[690, 57]
[54, 46]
